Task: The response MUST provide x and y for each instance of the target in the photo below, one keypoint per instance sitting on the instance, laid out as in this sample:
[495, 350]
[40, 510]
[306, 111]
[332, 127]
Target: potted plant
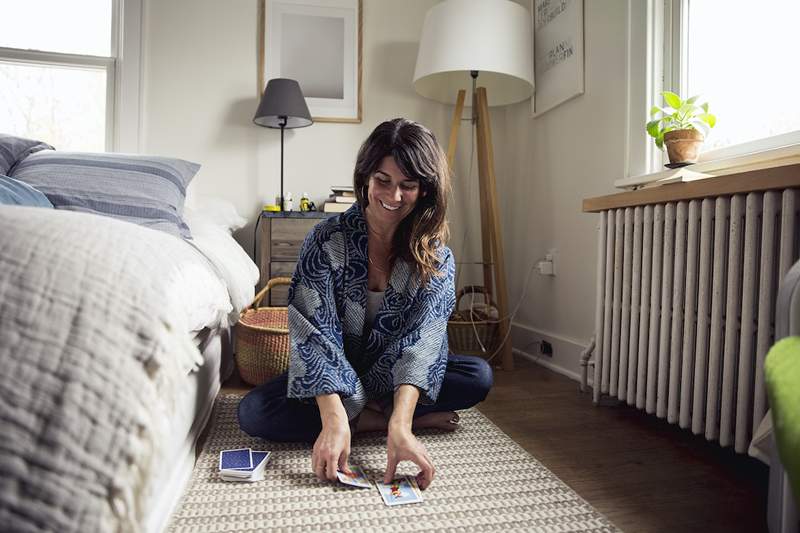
[682, 126]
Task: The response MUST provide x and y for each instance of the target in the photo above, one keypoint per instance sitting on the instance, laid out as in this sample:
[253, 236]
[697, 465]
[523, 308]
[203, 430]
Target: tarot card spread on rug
[400, 491]
[356, 478]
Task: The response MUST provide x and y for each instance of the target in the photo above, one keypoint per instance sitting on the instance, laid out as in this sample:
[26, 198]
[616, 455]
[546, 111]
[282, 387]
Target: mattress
[105, 393]
[192, 412]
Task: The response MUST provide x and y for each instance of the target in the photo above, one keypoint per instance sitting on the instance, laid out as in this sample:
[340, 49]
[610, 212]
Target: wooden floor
[642, 473]
[645, 475]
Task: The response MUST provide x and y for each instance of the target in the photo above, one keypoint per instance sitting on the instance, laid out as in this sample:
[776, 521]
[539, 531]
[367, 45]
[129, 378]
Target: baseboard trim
[566, 351]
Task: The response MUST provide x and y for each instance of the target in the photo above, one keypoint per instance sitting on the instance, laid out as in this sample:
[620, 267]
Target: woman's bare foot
[446, 420]
[371, 420]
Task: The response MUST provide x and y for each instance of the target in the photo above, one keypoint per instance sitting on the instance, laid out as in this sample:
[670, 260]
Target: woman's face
[391, 194]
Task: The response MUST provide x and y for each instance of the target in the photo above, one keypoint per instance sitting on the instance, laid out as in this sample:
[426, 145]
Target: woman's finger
[319, 469]
[391, 467]
[343, 464]
[330, 468]
[425, 477]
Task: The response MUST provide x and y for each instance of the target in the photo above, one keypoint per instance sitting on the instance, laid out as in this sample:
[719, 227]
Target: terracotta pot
[683, 146]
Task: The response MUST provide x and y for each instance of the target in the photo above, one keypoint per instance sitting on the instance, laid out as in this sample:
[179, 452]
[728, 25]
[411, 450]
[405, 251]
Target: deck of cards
[242, 464]
[401, 491]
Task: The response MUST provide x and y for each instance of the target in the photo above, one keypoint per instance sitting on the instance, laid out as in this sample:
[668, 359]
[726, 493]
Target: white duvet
[95, 316]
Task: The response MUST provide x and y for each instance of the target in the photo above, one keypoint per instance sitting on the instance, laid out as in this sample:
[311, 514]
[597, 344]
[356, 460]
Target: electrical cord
[510, 317]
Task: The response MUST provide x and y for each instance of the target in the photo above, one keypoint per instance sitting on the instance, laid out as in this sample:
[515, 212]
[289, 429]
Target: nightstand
[280, 237]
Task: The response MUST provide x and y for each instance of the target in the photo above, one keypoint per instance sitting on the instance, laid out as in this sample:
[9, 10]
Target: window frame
[123, 73]
[657, 61]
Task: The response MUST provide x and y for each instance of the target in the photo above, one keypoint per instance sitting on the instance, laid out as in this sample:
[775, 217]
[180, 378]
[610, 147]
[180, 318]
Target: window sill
[776, 157]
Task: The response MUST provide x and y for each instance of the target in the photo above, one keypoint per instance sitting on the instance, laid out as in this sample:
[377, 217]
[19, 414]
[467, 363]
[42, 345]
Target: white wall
[200, 94]
[572, 152]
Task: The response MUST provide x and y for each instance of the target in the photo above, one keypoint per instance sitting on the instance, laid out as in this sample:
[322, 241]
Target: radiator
[685, 307]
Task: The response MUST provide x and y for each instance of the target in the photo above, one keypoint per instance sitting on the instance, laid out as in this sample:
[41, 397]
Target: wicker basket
[468, 329]
[262, 339]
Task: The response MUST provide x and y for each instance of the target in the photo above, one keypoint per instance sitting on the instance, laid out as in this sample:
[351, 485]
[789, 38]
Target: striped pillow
[14, 149]
[145, 190]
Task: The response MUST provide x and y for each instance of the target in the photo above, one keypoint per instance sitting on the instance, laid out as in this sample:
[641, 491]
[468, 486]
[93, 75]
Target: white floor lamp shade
[492, 37]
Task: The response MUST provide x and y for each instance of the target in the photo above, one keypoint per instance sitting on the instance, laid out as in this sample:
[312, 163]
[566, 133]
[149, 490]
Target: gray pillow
[15, 192]
[146, 190]
[15, 149]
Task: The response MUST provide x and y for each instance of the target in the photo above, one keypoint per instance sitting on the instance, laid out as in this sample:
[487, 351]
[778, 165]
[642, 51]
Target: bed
[114, 337]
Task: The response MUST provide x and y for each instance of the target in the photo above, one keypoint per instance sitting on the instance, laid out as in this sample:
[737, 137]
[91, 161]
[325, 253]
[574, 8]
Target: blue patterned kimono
[332, 352]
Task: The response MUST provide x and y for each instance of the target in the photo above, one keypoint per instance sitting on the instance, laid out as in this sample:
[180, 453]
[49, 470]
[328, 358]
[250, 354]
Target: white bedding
[98, 385]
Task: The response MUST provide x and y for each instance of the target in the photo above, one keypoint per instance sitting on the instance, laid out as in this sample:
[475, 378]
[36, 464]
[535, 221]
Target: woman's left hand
[402, 445]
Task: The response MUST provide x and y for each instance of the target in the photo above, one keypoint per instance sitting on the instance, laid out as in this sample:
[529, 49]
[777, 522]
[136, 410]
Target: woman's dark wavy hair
[419, 156]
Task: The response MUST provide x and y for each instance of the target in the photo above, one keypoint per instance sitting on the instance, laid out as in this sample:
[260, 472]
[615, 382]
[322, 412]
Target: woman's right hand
[332, 448]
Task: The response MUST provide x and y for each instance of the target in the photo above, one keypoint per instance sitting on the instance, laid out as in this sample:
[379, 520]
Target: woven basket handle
[260, 296]
[474, 289]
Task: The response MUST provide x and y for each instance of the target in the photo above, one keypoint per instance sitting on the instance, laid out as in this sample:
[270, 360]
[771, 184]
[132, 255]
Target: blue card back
[235, 459]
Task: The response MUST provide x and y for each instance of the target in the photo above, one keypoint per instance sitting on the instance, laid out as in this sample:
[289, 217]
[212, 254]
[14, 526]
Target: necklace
[379, 269]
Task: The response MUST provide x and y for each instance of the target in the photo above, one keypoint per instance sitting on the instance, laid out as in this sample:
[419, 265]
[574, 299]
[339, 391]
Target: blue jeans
[267, 413]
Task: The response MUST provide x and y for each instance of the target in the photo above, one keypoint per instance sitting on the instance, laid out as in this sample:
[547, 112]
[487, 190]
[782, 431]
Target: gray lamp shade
[283, 99]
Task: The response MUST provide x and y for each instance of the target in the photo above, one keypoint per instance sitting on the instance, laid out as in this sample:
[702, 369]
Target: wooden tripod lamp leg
[489, 205]
[455, 125]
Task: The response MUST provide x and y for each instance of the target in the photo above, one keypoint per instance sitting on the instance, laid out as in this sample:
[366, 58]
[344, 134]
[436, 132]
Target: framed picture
[317, 43]
[557, 52]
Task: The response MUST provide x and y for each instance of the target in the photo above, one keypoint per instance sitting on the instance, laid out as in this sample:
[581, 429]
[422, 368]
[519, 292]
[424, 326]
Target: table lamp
[283, 106]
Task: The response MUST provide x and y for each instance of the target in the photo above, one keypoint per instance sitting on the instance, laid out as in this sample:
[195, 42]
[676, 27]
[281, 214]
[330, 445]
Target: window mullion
[54, 58]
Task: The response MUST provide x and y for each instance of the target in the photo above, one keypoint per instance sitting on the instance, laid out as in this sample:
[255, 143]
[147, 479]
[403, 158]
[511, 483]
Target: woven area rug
[484, 482]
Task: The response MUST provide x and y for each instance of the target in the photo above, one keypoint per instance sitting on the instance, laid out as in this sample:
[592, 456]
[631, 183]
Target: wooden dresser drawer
[280, 269]
[287, 237]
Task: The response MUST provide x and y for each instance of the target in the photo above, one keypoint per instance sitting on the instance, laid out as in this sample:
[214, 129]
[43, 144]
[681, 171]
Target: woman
[368, 310]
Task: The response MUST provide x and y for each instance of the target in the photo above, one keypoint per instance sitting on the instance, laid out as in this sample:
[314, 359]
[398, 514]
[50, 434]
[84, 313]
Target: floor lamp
[488, 42]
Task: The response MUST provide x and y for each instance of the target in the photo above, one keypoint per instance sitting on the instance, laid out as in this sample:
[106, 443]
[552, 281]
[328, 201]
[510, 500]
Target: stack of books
[340, 200]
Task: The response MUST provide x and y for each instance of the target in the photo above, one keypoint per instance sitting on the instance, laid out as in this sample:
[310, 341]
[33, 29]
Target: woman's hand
[332, 448]
[402, 445]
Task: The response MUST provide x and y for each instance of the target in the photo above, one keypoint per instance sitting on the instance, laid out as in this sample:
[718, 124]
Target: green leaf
[672, 99]
[693, 99]
[686, 110]
[705, 107]
[666, 111]
[709, 119]
[652, 128]
[660, 142]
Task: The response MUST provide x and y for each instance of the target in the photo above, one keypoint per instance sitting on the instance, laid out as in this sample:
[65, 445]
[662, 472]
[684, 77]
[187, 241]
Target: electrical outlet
[545, 348]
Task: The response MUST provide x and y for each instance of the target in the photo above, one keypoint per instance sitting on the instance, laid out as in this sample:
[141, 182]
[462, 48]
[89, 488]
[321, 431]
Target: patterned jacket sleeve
[423, 357]
[317, 363]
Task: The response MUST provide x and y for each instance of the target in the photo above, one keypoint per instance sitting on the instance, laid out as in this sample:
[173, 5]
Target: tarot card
[357, 478]
[235, 459]
[259, 459]
[400, 491]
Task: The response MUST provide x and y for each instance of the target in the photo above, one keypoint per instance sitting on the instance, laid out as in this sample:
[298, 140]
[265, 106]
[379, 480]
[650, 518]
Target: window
[61, 78]
[738, 55]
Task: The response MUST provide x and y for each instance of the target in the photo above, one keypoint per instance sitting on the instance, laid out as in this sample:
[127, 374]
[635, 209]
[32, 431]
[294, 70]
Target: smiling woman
[368, 310]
